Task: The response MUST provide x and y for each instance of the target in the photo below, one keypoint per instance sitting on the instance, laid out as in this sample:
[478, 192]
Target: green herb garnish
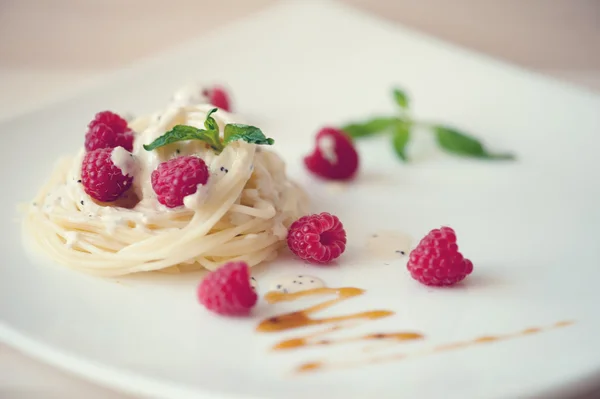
[461, 144]
[401, 98]
[370, 127]
[251, 134]
[211, 135]
[400, 138]
[402, 126]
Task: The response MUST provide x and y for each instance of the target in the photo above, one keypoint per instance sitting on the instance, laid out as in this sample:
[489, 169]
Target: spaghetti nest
[242, 213]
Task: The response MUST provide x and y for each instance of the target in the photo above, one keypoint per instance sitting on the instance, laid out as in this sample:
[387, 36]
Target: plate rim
[136, 384]
[107, 377]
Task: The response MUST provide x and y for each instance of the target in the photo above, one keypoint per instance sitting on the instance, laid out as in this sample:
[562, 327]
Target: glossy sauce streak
[322, 365]
[303, 318]
[307, 341]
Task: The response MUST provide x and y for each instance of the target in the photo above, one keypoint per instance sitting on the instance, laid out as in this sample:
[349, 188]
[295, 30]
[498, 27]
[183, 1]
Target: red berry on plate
[334, 157]
[317, 238]
[177, 178]
[436, 260]
[101, 178]
[218, 97]
[101, 135]
[112, 120]
[227, 290]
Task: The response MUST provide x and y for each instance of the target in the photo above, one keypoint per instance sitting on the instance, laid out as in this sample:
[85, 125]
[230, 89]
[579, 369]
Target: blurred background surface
[51, 48]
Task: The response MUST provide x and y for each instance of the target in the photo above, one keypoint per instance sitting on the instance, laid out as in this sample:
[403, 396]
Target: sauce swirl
[324, 365]
[304, 317]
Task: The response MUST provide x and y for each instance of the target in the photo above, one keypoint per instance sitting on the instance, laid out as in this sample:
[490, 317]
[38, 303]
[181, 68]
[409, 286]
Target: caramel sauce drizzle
[306, 341]
[322, 365]
[303, 318]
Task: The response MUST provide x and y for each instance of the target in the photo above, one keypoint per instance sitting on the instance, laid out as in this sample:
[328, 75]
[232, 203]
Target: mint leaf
[400, 139]
[179, 133]
[401, 98]
[462, 144]
[210, 123]
[184, 132]
[250, 134]
[369, 128]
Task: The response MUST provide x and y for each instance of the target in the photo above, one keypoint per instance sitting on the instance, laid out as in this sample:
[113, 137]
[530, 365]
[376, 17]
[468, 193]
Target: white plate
[530, 227]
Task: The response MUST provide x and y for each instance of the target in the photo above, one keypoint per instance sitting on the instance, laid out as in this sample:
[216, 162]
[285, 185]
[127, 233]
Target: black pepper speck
[81, 202]
[278, 286]
[178, 151]
[79, 181]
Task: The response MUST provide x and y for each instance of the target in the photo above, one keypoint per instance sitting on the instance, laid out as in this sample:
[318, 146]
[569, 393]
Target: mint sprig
[401, 127]
[211, 135]
[401, 98]
[210, 123]
[400, 139]
[370, 127]
[251, 134]
[461, 144]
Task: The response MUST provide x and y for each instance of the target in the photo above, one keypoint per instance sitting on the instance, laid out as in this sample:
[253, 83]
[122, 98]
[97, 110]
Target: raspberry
[227, 290]
[436, 260]
[101, 178]
[112, 120]
[125, 140]
[177, 178]
[334, 157]
[218, 97]
[101, 135]
[317, 238]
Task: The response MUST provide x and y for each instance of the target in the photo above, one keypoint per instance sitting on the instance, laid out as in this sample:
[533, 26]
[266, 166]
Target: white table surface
[53, 49]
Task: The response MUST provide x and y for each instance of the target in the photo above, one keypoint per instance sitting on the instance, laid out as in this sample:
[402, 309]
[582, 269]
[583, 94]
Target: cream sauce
[389, 244]
[293, 283]
[123, 160]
